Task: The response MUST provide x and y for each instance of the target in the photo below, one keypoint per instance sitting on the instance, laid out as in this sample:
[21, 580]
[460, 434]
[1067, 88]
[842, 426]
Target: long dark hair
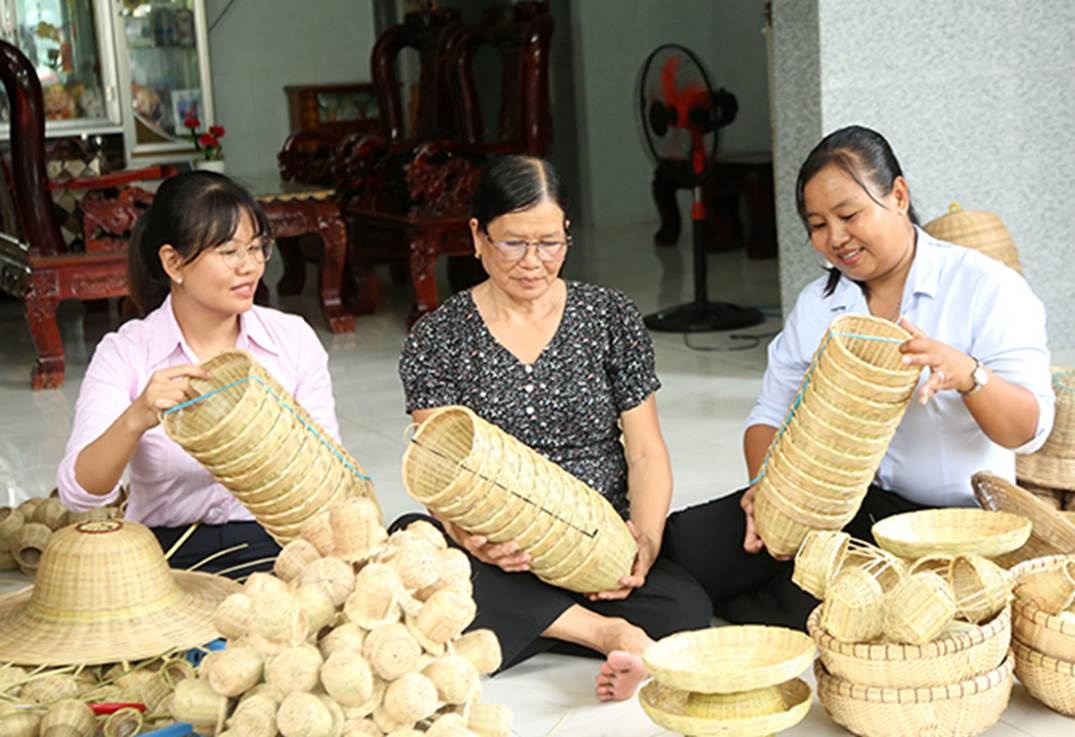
[192, 212]
[513, 183]
[865, 156]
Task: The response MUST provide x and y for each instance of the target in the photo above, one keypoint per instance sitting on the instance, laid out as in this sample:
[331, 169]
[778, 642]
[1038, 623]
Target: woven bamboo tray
[673, 709]
[1053, 465]
[1052, 635]
[948, 659]
[257, 441]
[953, 531]
[729, 659]
[475, 475]
[1051, 534]
[978, 229]
[837, 430]
[1050, 681]
[963, 709]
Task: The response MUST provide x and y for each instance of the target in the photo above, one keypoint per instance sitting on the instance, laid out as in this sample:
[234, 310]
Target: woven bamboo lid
[953, 531]
[1053, 465]
[978, 229]
[104, 593]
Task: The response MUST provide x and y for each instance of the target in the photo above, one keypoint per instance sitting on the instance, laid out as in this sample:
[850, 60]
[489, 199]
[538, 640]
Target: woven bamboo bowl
[729, 659]
[812, 494]
[863, 409]
[557, 505]
[238, 391]
[822, 441]
[827, 466]
[1049, 634]
[948, 659]
[963, 709]
[678, 710]
[1051, 534]
[1050, 681]
[954, 531]
[815, 406]
[1052, 590]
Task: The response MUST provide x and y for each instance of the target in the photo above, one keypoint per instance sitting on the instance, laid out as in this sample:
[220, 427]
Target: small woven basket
[953, 531]
[256, 440]
[471, 472]
[678, 710]
[980, 587]
[918, 609]
[1053, 465]
[729, 659]
[978, 229]
[824, 456]
[1050, 534]
[1049, 634]
[818, 560]
[947, 659]
[1050, 681]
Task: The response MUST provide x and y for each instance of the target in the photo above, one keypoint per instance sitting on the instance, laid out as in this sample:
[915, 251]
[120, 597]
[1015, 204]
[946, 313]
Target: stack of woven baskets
[257, 441]
[26, 529]
[907, 648]
[483, 480]
[1044, 627]
[356, 633]
[1049, 472]
[728, 680]
[825, 455]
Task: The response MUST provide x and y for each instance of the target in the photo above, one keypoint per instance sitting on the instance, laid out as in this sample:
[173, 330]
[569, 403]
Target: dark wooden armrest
[115, 179]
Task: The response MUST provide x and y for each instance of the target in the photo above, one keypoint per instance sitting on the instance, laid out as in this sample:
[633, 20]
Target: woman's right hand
[166, 388]
[752, 542]
[505, 556]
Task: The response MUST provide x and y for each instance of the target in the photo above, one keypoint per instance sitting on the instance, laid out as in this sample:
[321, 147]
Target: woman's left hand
[949, 368]
[647, 554]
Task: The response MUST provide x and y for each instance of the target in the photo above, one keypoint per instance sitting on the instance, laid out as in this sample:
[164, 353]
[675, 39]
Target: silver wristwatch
[980, 377]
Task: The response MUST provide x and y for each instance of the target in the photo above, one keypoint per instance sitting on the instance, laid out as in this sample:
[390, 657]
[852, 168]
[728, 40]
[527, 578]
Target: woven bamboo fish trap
[963, 709]
[952, 531]
[480, 478]
[978, 229]
[825, 455]
[1050, 533]
[1050, 681]
[257, 441]
[1053, 465]
[948, 659]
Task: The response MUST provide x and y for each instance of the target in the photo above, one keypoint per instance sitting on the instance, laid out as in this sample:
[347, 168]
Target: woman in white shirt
[979, 334]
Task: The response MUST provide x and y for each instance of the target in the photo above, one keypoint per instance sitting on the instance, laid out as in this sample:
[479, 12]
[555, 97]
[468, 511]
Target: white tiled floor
[705, 397]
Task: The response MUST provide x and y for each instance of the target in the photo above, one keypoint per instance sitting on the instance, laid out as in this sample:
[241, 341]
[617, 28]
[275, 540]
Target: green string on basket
[806, 382]
[283, 403]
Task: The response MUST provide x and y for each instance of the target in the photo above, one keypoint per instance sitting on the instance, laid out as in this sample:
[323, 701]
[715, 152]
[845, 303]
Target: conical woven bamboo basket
[983, 231]
[463, 467]
[258, 442]
[963, 709]
[1053, 465]
[1050, 533]
[822, 460]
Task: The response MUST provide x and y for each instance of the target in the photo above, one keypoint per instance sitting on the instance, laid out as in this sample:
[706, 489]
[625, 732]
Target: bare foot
[619, 676]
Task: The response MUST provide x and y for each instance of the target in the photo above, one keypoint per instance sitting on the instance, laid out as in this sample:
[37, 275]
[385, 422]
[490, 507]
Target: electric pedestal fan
[679, 117]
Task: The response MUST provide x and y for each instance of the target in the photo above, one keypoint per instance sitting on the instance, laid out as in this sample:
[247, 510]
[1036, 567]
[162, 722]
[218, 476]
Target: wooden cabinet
[334, 110]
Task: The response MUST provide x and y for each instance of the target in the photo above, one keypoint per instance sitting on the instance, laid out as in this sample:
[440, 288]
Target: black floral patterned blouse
[566, 405]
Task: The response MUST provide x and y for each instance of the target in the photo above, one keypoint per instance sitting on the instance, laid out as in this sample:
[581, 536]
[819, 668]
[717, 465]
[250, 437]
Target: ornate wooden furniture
[35, 264]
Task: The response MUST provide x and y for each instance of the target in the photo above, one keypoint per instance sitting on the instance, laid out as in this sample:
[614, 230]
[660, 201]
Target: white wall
[261, 45]
[610, 41]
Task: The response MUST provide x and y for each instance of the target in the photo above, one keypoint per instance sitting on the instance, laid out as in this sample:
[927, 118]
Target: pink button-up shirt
[168, 488]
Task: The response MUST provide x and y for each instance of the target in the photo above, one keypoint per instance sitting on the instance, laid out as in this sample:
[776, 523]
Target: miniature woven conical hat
[1053, 465]
[983, 231]
[104, 593]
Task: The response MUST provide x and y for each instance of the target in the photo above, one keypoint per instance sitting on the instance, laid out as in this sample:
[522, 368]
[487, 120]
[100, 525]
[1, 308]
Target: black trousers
[518, 607]
[209, 539]
[707, 541]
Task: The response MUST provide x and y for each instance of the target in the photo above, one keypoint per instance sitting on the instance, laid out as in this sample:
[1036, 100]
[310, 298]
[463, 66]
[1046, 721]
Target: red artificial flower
[192, 123]
[217, 130]
[208, 140]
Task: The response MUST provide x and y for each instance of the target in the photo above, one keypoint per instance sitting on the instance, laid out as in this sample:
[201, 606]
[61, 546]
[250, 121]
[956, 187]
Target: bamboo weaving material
[1050, 681]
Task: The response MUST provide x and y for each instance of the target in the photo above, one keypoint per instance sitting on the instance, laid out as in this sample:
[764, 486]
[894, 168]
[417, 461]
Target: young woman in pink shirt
[195, 260]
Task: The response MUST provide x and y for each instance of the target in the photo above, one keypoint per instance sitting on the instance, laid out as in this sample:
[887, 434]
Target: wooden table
[295, 209]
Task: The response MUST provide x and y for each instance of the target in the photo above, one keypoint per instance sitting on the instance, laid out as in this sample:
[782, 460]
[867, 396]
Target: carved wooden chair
[35, 263]
[411, 198]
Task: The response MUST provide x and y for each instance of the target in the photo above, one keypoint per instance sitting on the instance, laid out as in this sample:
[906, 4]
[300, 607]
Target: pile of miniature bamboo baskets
[729, 681]
[26, 529]
[475, 475]
[826, 452]
[356, 634]
[918, 644]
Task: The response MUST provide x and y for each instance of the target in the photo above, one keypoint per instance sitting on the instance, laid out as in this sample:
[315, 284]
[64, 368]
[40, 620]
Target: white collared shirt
[959, 297]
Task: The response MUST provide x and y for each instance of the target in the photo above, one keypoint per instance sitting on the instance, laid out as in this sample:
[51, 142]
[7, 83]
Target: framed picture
[185, 103]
